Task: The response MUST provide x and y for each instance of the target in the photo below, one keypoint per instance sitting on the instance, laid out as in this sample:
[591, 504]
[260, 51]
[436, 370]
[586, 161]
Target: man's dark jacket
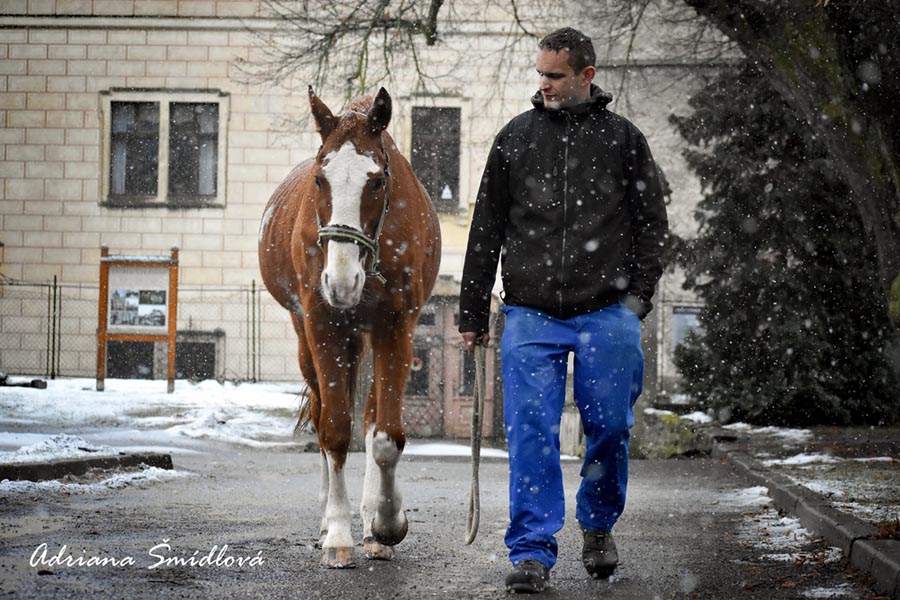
[573, 199]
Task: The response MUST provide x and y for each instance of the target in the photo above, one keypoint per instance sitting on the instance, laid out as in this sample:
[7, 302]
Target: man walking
[571, 202]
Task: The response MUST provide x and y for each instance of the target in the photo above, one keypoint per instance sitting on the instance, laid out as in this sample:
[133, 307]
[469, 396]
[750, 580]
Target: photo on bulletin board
[152, 308]
[138, 300]
[137, 308]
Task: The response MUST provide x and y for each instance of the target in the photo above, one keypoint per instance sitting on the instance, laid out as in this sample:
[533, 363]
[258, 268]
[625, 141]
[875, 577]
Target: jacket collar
[598, 99]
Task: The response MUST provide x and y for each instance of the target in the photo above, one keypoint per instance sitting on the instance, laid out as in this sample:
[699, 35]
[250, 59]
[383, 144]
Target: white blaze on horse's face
[344, 276]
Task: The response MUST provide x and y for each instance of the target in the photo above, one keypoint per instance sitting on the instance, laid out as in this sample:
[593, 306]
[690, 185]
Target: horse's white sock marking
[380, 493]
[337, 511]
[371, 486]
[323, 499]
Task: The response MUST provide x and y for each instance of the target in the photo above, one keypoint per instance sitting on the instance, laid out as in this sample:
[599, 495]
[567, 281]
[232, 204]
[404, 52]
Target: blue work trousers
[608, 374]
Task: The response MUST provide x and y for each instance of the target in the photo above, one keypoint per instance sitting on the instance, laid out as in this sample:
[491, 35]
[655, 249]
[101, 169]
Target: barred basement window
[129, 360]
[199, 355]
[164, 148]
[195, 360]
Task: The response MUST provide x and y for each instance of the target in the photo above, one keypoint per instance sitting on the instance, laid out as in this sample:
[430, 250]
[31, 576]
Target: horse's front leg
[333, 429]
[381, 496]
[337, 545]
[307, 368]
[323, 501]
[384, 521]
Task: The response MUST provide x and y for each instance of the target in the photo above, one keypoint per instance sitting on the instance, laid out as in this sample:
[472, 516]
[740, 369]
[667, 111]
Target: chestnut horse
[350, 244]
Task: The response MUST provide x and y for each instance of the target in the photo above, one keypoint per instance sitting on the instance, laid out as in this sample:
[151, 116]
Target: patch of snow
[826, 488]
[697, 417]
[738, 427]
[781, 539]
[754, 496]
[842, 590]
[116, 482]
[449, 449]
[832, 554]
[656, 411]
[445, 449]
[56, 447]
[874, 513]
[803, 459]
[788, 435]
[251, 414]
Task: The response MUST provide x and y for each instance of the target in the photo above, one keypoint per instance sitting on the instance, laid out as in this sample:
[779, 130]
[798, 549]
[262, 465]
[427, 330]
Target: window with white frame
[685, 320]
[164, 148]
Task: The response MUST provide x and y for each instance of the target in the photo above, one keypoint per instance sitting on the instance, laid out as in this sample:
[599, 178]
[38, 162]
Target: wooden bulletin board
[138, 303]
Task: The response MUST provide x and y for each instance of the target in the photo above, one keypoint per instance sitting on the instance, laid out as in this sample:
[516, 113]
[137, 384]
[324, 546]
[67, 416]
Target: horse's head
[351, 181]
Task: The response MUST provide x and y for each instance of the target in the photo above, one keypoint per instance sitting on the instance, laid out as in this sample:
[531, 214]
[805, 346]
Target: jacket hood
[598, 99]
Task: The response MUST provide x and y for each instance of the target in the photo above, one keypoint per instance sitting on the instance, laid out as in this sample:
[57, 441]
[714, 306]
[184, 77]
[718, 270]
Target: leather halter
[352, 235]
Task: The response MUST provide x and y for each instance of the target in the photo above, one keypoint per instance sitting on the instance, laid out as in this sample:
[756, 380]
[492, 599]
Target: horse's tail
[304, 416]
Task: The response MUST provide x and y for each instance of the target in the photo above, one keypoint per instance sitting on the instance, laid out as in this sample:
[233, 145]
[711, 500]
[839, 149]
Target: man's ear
[588, 75]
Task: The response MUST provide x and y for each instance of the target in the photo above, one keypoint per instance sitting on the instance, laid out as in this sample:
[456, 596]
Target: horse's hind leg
[384, 521]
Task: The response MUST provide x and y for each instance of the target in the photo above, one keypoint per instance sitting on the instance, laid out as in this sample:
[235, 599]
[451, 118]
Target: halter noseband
[346, 233]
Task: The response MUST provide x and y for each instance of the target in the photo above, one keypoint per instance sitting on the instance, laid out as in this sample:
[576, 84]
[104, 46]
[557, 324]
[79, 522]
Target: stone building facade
[134, 124]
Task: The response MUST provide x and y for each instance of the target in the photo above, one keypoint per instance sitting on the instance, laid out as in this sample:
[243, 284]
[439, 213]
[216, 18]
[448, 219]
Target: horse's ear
[325, 121]
[380, 115]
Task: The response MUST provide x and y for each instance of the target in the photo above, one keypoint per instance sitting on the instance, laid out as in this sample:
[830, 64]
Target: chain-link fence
[50, 329]
[236, 333]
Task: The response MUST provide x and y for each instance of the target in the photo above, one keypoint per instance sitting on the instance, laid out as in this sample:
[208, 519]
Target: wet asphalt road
[677, 538]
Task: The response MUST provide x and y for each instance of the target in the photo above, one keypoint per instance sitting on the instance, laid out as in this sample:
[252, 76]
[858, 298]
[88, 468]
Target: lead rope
[477, 411]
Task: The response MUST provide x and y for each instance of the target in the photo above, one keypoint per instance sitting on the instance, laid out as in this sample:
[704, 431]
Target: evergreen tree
[795, 328]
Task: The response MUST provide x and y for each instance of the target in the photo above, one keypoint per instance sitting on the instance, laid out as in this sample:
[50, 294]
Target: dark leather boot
[528, 577]
[599, 555]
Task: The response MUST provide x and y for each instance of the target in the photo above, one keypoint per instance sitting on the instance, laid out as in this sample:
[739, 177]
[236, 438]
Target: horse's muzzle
[344, 277]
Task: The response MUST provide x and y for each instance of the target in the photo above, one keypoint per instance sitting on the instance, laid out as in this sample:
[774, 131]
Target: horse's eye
[378, 183]
[318, 182]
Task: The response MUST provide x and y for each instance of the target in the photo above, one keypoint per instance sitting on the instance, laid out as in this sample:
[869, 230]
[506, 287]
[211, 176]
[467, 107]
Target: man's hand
[470, 339]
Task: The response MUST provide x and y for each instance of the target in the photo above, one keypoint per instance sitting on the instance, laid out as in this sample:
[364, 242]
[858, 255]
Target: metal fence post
[258, 332]
[253, 311]
[49, 330]
[54, 359]
[59, 330]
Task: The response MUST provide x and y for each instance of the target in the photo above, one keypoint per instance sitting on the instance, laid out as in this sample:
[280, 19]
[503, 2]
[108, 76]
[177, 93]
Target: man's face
[560, 85]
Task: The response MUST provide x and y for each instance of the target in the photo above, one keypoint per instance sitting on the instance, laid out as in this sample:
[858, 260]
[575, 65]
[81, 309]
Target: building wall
[60, 56]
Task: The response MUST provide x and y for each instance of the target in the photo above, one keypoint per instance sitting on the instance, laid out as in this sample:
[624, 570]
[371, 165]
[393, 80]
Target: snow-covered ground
[70, 419]
[139, 416]
[867, 487]
[780, 538]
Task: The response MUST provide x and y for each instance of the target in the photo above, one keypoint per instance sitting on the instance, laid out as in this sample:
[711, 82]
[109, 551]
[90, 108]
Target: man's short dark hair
[578, 45]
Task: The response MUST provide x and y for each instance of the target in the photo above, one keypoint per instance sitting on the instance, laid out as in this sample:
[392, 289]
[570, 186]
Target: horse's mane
[361, 105]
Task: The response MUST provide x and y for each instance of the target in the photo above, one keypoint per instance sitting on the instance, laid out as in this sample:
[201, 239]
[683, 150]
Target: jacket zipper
[562, 265]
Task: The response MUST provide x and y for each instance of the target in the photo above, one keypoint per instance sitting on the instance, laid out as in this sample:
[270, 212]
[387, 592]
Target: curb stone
[880, 558]
[78, 466]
